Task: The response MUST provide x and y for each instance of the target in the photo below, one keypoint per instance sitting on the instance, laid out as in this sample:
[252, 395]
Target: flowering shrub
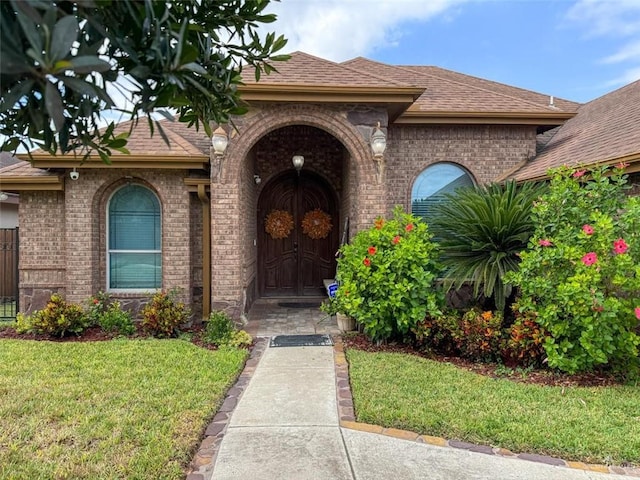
[221, 331]
[581, 273]
[386, 276]
[163, 315]
[57, 318]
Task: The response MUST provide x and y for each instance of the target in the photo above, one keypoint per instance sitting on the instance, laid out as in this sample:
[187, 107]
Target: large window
[433, 183]
[134, 256]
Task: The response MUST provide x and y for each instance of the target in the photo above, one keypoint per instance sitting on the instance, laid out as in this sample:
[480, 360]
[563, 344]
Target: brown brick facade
[63, 235]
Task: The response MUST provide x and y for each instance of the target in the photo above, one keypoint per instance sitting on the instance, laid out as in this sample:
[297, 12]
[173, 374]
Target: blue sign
[332, 289]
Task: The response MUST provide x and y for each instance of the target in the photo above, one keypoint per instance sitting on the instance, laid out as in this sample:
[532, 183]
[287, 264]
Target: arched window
[431, 185]
[134, 256]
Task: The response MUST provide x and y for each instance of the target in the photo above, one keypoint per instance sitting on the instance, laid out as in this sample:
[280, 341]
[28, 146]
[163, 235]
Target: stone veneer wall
[486, 151]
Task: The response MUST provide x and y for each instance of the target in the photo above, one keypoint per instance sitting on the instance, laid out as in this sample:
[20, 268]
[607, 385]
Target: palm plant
[481, 230]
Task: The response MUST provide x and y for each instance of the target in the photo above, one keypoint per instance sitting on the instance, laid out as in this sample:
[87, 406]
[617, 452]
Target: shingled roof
[187, 148]
[605, 130]
[448, 92]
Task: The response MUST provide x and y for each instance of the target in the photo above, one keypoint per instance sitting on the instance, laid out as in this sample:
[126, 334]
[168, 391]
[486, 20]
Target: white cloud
[629, 52]
[613, 19]
[342, 29]
[607, 17]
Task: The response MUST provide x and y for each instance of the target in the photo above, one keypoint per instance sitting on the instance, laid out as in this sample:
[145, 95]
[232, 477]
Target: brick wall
[485, 151]
[42, 248]
[66, 232]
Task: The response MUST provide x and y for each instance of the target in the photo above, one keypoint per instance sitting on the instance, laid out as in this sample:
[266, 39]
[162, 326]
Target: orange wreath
[316, 224]
[278, 224]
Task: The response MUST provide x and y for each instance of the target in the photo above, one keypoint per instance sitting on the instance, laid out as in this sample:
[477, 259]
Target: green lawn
[103, 410]
[597, 425]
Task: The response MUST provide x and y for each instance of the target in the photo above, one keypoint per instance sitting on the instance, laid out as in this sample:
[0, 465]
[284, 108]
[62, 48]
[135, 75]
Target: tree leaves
[177, 55]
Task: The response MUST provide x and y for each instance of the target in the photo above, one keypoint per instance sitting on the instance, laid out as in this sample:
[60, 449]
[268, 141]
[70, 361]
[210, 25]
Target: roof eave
[395, 99]
[133, 161]
[31, 183]
[632, 159]
[416, 117]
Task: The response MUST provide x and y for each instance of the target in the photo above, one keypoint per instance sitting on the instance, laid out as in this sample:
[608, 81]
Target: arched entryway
[297, 264]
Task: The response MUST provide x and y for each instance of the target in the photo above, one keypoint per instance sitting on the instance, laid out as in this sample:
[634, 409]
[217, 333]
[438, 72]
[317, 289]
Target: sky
[572, 49]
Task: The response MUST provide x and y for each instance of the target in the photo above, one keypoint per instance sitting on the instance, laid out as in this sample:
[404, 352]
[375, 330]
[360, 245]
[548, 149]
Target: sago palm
[481, 230]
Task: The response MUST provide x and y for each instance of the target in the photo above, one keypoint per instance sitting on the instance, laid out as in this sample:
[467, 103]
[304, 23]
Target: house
[8, 201]
[325, 148]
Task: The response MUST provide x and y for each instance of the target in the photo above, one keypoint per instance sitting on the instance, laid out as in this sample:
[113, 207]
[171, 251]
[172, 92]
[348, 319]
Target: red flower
[372, 250]
[637, 312]
[620, 246]
[588, 229]
[96, 301]
[590, 258]
[367, 262]
[379, 223]
[545, 243]
[396, 239]
[579, 173]
[409, 227]
[622, 165]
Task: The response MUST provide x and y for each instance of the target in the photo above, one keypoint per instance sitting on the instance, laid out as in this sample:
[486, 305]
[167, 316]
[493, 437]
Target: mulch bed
[96, 334]
[536, 377]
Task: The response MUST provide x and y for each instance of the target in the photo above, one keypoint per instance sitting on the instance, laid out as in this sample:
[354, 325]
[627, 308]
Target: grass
[596, 425]
[106, 410]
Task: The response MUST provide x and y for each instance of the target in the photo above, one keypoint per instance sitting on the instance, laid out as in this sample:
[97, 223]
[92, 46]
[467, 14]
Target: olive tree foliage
[62, 61]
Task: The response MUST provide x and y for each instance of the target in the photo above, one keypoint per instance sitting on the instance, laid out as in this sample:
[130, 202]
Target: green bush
[221, 331]
[164, 315]
[386, 277]
[57, 319]
[97, 305]
[581, 273]
[114, 319]
[108, 314]
[481, 230]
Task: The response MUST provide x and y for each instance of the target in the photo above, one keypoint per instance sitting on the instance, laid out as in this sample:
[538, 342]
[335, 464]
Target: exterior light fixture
[378, 142]
[3, 196]
[298, 162]
[219, 142]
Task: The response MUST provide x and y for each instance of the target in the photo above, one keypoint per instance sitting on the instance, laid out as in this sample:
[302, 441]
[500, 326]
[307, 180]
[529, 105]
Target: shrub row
[163, 316]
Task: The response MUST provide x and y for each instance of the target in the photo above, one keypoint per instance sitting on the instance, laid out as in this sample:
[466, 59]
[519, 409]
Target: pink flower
[372, 250]
[396, 239]
[590, 258]
[409, 227]
[622, 165]
[588, 229]
[579, 173]
[637, 312]
[620, 246]
[367, 262]
[544, 242]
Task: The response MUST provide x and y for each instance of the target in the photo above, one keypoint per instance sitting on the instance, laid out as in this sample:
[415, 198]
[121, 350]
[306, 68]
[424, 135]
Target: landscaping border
[348, 420]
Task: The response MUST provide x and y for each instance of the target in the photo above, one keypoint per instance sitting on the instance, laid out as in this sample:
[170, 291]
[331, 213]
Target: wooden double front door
[297, 264]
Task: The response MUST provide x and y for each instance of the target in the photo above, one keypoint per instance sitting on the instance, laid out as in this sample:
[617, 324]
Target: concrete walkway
[286, 425]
